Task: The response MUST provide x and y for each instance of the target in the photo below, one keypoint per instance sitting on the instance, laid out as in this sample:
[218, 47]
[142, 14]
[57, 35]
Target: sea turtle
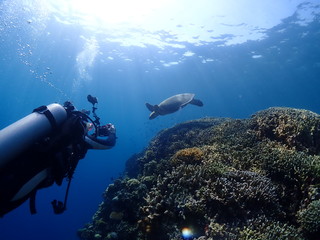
[173, 104]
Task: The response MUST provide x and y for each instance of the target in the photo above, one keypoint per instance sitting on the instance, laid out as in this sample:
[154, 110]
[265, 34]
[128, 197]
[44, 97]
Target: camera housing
[92, 100]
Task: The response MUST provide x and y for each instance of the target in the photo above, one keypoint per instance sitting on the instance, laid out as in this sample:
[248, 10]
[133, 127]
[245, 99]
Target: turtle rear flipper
[196, 102]
[154, 109]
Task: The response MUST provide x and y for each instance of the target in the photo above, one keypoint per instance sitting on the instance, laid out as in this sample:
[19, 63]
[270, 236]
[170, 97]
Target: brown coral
[187, 156]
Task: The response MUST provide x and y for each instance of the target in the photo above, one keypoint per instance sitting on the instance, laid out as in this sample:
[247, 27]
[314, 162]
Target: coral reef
[249, 179]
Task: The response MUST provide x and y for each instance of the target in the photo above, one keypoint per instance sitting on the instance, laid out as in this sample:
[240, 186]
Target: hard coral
[296, 128]
[116, 215]
[309, 218]
[187, 156]
[292, 167]
[270, 230]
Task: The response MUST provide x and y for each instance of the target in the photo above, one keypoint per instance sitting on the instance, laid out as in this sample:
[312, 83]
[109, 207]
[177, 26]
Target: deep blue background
[41, 70]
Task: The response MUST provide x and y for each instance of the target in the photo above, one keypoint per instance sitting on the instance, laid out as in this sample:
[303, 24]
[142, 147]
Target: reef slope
[249, 179]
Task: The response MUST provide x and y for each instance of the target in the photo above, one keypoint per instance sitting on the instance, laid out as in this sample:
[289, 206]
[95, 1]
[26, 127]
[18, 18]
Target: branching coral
[292, 166]
[270, 230]
[309, 218]
[296, 128]
[187, 156]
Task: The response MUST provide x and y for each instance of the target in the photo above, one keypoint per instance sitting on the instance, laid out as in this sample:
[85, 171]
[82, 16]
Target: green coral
[292, 166]
[309, 218]
[273, 230]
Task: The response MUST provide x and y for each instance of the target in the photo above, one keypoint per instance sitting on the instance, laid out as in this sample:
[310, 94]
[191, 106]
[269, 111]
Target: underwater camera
[104, 131]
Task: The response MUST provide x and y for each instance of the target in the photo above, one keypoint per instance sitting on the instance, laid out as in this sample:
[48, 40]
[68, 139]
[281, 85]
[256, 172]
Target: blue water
[240, 68]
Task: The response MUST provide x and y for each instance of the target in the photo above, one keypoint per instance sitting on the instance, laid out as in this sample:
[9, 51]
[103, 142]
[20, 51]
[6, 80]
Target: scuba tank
[19, 136]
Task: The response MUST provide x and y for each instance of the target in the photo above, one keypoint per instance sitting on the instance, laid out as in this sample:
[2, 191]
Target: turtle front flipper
[196, 102]
[153, 115]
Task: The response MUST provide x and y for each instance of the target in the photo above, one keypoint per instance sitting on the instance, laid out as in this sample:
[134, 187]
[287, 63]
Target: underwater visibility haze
[237, 57]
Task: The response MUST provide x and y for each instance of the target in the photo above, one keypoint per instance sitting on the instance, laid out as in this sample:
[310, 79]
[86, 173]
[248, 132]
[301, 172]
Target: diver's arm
[109, 132]
[98, 143]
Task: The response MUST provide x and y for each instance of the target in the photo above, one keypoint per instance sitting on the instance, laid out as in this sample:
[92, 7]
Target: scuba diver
[45, 147]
